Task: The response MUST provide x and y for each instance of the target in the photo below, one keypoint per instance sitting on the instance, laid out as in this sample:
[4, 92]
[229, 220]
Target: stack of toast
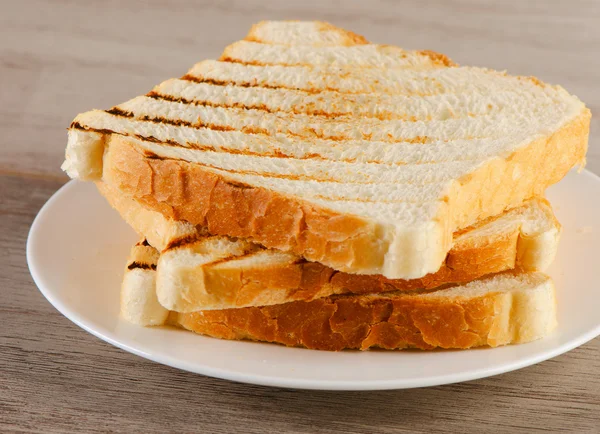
[313, 189]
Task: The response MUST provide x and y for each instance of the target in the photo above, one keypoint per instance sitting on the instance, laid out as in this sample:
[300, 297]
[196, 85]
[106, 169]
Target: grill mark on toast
[252, 129]
[200, 236]
[157, 95]
[222, 260]
[387, 116]
[141, 265]
[305, 126]
[179, 123]
[244, 254]
[78, 126]
[246, 77]
[256, 62]
[214, 81]
[297, 177]
[228, 59]
[244, 186]
[119, 112]
[183, 241]
[371, 55]
[275, 153]
[199, 147]
[332, 104]
[151, 139]
[152, 156]
[204, 103]
[161, 96]
[161, 120]
[306, 133]
[311, 91]
[200, 78]
[438, 60]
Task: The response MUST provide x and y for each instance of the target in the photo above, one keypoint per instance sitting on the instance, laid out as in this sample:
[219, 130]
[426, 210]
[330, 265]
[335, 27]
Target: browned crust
[307, 281]
[439, 58]
[187, 191]
[354, 323]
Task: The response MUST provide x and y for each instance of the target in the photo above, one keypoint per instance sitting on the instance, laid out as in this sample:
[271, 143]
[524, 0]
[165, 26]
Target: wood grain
[58, 58]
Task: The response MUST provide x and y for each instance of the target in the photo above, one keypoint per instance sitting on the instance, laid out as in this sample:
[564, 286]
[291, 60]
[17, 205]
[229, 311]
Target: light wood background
[58, 58]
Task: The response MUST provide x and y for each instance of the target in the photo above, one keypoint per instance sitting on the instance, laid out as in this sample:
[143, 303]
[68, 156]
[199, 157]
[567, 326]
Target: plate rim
[264, 380]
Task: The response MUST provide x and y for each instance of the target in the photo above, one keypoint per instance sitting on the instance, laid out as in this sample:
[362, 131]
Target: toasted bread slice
[295, 147]
[198, 271]
[498, 310]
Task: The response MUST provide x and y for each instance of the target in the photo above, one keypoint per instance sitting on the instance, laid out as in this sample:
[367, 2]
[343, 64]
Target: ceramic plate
[78, 246]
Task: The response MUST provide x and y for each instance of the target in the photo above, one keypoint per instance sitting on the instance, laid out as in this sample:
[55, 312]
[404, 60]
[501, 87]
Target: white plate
[77, 249]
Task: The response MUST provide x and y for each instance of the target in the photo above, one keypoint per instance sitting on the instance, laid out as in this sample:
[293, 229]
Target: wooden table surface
[58, 58]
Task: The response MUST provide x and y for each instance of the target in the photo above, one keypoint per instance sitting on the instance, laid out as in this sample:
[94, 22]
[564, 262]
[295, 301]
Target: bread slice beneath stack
[199, 271]
[365, 158]
[506, 308]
